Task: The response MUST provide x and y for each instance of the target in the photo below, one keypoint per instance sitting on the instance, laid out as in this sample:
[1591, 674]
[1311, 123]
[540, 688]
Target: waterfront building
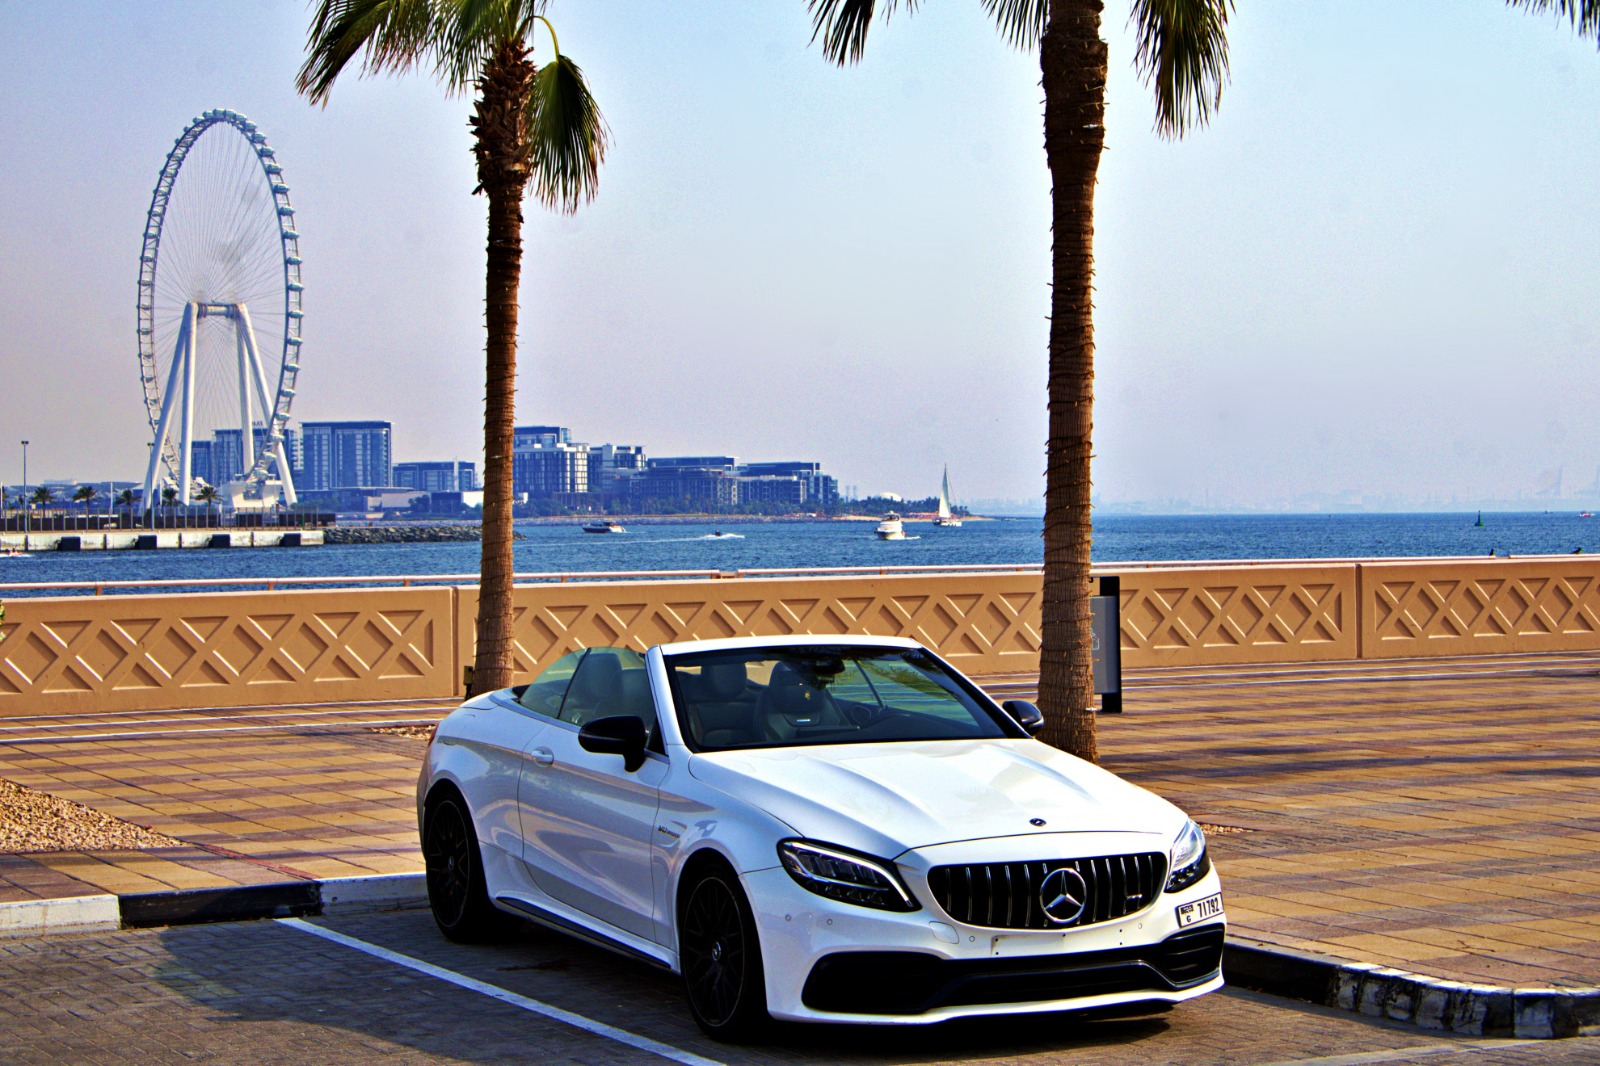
[550, 469]
[821, 491]
[671, 485]
[451, 476]
[200, 461]
[527, 436]
[612, 465]
[340, 455]
[225, 459]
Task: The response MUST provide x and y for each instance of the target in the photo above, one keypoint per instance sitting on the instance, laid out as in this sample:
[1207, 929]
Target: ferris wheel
[220, 313]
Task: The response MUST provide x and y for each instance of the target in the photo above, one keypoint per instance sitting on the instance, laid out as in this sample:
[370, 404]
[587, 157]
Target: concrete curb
[1426, 1002]
[75, 914]
[284, 899]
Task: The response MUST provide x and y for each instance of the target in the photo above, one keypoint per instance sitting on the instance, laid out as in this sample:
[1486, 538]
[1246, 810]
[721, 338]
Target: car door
[587, 822]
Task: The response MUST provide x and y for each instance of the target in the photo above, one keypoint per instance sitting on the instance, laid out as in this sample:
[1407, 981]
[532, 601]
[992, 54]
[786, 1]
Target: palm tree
[127, 499]
[208, 496]
[169, 496]
[1183, 54]
[533, 126]
[85, 495]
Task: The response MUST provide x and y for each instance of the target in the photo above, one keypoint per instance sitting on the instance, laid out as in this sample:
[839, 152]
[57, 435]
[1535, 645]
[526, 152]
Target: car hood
[889, 798]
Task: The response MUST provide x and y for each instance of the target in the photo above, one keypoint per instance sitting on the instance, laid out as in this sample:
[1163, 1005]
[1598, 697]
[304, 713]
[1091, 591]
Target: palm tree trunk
[501, 150]
[1072, 59]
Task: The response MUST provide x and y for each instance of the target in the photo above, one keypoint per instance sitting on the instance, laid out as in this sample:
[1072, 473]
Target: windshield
[780, 697]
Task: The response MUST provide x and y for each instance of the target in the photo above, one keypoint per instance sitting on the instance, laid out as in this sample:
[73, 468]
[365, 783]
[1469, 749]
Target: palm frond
[475, 30]
[843, 25]
[1021, 22]
[1183, 56]
[567, 136]
[1584, 15]
[391, 35]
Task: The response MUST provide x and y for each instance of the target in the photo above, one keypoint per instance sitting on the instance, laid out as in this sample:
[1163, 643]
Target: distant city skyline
[1370, 279]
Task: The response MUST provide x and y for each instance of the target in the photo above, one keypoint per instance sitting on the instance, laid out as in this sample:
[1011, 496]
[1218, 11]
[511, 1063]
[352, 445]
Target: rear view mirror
[1028, 715]
[621, 734]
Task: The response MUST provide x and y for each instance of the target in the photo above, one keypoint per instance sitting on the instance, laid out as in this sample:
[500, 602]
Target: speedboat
[891, 528]
[608, 526]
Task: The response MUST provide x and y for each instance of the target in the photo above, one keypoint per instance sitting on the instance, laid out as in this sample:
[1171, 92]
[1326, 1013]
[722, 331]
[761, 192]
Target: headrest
[722, 681]
[790, 696]
[597, 677]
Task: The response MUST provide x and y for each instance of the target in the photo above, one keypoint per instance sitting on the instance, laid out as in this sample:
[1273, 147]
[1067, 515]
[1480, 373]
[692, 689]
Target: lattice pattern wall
[983, 624]
[118, 653]
[1187, 617]
[1447, 608]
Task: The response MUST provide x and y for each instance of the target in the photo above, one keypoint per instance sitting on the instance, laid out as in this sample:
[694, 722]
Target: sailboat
[945, 518]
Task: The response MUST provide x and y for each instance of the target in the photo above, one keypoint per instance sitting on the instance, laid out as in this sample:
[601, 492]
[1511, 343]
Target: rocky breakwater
[407, 534]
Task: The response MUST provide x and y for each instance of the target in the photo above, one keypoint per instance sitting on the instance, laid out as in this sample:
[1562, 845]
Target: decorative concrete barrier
[219, 649]
[233, 649]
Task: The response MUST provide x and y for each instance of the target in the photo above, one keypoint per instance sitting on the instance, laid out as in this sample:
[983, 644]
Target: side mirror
[621, 734]
[1028, 715]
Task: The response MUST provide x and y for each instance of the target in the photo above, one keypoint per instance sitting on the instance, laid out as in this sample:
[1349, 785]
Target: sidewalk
[1441, 817]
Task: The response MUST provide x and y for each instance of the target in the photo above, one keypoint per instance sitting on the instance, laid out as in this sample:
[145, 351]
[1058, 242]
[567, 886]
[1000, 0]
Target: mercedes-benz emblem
[1063, 895]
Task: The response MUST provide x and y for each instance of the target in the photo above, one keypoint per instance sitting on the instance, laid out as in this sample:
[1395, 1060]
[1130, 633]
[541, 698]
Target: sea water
[774, 545]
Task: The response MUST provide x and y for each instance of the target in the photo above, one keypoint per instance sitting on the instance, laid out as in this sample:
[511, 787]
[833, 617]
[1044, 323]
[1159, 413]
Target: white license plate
[1200, 910]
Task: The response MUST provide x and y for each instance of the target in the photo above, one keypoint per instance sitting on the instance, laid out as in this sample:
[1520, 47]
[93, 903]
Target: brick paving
[258, 992]
[1439, 816]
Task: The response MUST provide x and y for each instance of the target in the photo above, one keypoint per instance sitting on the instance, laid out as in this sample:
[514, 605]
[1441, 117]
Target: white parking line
[589, 1025]
[1424, 1051]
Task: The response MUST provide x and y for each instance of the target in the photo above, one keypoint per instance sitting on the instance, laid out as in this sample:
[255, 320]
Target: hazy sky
[1376, 272]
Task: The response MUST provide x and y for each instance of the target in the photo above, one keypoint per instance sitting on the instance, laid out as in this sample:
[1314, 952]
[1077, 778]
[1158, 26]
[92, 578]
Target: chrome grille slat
[1003, 895]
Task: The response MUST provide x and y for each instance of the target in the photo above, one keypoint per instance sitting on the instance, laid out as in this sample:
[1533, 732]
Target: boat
[945, 518]
[891, 528]
[608, 526]
[15, 553]
[1585, 514]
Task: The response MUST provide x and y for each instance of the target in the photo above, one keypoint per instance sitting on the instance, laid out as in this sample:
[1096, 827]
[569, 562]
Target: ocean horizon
[694, 546]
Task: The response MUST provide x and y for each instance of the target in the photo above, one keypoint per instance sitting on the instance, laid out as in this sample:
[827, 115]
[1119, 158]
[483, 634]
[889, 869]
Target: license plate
[1200, 910]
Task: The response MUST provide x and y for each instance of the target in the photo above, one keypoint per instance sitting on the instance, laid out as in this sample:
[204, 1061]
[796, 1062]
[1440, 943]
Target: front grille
[1006, 895]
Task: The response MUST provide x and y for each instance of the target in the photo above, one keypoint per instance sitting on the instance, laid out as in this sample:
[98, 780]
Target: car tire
[457, 892]
[721, 957]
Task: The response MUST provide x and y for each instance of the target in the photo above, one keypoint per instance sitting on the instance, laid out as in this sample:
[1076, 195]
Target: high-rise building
[611, 465]
[452, 476]
[525, 436]
[541, 469]
[227, 452]
[200, 461]
[340, 455]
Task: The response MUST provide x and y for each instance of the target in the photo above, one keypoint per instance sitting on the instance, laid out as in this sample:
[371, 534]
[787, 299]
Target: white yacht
[945, 518]
[891, 528]
[607, 526]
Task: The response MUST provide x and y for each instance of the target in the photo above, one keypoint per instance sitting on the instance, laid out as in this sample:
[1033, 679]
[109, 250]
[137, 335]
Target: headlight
[845, 876]
[1190, 860]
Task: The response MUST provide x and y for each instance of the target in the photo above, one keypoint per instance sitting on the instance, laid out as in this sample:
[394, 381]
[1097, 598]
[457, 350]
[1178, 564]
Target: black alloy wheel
[721, 958]
[457, 893]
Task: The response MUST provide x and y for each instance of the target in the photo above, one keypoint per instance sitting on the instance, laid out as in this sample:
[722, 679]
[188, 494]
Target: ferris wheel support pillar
[247, 436]
[180, 359]
[186, 434]
[247, 338]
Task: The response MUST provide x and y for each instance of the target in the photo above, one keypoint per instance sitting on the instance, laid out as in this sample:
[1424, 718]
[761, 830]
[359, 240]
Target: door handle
[543, 756]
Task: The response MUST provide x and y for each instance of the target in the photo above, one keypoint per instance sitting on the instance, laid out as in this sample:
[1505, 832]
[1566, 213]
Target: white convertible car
[818, 829]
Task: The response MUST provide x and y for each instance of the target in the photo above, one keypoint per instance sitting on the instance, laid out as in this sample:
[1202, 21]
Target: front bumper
[828, 961]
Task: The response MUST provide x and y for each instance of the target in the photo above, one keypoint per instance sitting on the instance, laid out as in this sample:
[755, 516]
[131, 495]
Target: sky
[1369, 282]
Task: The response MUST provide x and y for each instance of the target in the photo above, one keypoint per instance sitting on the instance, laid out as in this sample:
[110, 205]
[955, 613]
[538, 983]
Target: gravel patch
[35, 821]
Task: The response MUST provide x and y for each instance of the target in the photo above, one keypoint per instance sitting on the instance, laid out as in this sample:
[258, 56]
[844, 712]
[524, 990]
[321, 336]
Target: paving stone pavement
[1439, 816]
[264, 992]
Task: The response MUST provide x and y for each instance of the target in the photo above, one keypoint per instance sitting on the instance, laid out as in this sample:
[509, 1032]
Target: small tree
[208, 496]
[127, 499]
